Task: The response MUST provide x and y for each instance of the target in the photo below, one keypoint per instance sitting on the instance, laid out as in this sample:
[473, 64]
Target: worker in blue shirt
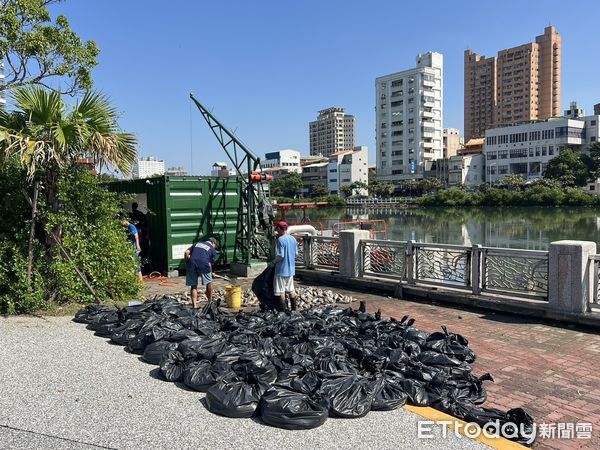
[133, 237]
[285, 266]
[200, 258]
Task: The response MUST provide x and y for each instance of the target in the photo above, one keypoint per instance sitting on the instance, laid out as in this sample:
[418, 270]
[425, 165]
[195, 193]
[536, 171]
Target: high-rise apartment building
[148, 167]
[518, 85]
[332, 132]
[409, 119]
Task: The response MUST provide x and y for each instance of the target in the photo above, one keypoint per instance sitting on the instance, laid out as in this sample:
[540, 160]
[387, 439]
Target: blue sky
[266, 67]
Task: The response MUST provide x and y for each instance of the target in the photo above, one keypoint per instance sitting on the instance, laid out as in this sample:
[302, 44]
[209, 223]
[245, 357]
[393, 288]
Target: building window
[593, 139]
[530, 151]
[551, 150]
[593, 123]
[503, 154]
[396, 103]
[543, 150]
[396, 83]
[538, 151]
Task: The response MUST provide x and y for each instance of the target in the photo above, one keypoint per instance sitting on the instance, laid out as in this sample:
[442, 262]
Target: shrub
[94, 238]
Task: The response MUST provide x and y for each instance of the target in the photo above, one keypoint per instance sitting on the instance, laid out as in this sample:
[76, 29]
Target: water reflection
[528, 228]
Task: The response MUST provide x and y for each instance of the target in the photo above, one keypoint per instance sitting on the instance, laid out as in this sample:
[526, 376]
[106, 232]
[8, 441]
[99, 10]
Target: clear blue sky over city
[266, 67]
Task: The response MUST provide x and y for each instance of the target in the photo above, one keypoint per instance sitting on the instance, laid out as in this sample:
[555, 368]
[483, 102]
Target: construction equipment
[255, 236]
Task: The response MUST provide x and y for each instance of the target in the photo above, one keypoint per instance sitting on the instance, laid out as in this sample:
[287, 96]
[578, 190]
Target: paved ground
[63, 387]
[551, 371]
[61, 383]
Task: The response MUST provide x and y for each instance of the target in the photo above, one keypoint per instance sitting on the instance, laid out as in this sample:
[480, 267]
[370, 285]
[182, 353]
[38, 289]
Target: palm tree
[45, 136]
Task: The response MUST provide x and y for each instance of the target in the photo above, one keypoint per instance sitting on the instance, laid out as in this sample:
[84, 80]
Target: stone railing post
[350, 254]
[410, 262]
[570, 276]
[307, 252]
[476, 269]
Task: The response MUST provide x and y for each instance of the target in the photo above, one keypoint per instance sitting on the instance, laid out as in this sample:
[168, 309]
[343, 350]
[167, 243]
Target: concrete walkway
[63, 387]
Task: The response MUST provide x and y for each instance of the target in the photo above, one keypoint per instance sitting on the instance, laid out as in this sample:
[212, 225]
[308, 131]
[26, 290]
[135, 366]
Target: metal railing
[448, 265]
[322, 252]
[520, 272]
[477, 269]
[383, 258]
[595, 260]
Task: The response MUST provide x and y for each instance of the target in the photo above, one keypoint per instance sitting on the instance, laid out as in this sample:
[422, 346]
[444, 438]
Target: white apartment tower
[148, 167]
[332, 132]
[409, 119]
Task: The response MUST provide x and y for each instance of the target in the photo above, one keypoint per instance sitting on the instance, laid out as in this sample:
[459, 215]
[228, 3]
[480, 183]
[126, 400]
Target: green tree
[513, 181]
[289, 185]
[571, 168]
[594, 150]
[45, 138]
[381, 189]
[319, 190]
[40, 51]
[430, 184]
[358, 186]
[346, 190]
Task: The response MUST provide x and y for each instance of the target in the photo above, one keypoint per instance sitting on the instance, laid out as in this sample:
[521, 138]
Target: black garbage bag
[183, 335]
[123, 334]
[388, 394]
[145, 336]
[111, 316]
[430, 358]
[299, 379]
[165, 329]
[139, 312]
[87, 314]
[172, 366]
[262, 286]
[292, 410]
[202, 375]
[254, 368]
[205, 348]
[349, 395]
[450, 344]
[232, 397]
[514, 424]
[416, 391]
[154, 353]
[416, 335]
[106, 329]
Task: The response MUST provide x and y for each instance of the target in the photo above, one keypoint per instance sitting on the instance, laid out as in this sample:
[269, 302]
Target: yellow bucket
[233, 296]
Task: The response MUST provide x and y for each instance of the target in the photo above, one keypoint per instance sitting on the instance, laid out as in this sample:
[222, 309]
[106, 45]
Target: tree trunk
[53, 203]
[36, 189]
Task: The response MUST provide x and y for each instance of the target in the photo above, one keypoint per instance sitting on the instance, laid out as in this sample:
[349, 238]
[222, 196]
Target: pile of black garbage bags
[296, 369]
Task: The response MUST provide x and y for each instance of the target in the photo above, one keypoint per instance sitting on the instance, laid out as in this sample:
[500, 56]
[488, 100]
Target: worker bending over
[200, 258]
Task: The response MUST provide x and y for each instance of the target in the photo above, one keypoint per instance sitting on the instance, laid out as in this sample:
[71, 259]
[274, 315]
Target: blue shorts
[191, 278]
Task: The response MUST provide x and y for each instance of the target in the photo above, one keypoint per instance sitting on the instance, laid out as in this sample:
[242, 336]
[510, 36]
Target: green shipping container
[183, 210]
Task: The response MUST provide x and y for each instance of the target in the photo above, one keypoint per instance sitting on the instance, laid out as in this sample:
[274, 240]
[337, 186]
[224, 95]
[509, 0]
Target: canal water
[531, 228]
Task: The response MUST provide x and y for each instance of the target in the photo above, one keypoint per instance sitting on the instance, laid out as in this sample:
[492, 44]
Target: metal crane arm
[255, 213]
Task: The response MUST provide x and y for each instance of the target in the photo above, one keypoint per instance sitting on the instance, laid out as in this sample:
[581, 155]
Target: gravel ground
[63, 387]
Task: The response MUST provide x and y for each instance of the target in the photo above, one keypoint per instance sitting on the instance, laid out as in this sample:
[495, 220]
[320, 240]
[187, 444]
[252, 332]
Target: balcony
[427, 102]
[428, 83]
[427, 145]
[427, 134]
[428, 114]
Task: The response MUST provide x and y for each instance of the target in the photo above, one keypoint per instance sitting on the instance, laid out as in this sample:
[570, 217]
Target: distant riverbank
[538, 195]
